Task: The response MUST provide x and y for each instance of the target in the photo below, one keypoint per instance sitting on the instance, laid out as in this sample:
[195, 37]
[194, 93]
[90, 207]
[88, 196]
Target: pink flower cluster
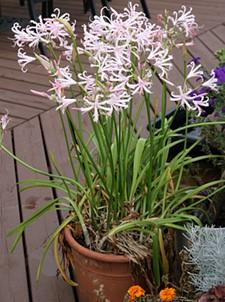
[124, 52]
[187, 97]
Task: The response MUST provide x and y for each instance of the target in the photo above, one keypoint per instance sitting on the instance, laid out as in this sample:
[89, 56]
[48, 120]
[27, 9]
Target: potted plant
[213, 135]
[126, 191]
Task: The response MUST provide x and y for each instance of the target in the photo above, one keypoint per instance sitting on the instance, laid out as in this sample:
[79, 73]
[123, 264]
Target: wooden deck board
[208, 59]
[219, 31]
[48, 288]
[212, 42]
[13, 280]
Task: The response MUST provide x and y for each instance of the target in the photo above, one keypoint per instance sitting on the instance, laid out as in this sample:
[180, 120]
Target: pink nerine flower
[124, 51]
[97, 105]
[64, 102]
[65, 77]
[211, 82]
[141, 86]
[4, 121]
[190, 100]
[195, 71]
[184, 20]
[24, 59]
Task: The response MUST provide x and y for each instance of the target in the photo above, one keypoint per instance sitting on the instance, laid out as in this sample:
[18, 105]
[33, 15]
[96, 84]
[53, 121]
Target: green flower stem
[68, 146]
[78, 140]
[186, 115]
[70, 31]
[185, 146]
[164, 105]
[148, 198]
[110, 158]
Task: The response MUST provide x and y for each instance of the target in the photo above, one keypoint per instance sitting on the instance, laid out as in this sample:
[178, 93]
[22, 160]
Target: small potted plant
[213, 136]
[126, 192]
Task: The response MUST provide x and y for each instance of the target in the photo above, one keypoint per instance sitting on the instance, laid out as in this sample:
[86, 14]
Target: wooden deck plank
[20, 86]
[208, 60]
[24, 77]
[219, 31]
[19, 110]
[11, 64]
[29, 146]
[56, 146]
[211, 41]
[55, 141]
[21, 98]
[14, 121]
[13, 281]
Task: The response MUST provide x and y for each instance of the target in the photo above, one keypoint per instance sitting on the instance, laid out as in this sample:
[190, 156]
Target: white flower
[86, 81]
[97, 105]
[64, 78]
[190, 100]
[199, 102]
[118, 100]
[161, 59]
[56, 15]
[24, 59]
[21, 36]
[195, 71]
[4, 121]
[64, 102]
[211, 82]
[27, 36]
[118, 79]
[55, 31]
[68, 52]
[141, 86]
[50, 30]
[184, 20]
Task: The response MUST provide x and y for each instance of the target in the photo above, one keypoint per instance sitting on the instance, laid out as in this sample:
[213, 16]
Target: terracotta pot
[101, 277]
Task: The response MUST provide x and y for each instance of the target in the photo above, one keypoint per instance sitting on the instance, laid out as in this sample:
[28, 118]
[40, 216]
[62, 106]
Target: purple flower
[220, 74]
[223, 109]
[212, 102]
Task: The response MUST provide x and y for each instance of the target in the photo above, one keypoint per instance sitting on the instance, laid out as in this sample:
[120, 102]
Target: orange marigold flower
[134, 292]
[167, 294]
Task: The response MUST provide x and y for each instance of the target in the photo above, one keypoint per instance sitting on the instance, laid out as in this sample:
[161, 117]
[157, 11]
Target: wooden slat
[55, 143]
[21, 98]
[29, 146]
[208, 60]
[14, 121]
[19, 110]
[211, 41]
[13, 282]
[20, 86]
[25, 77]
[220, 32]
[10, 63]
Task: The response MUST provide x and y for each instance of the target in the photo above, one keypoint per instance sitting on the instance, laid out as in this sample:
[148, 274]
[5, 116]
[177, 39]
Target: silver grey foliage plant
[206, 250]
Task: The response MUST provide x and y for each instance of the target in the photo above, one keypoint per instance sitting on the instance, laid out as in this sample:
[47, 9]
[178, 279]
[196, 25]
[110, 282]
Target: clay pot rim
[92, 254]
